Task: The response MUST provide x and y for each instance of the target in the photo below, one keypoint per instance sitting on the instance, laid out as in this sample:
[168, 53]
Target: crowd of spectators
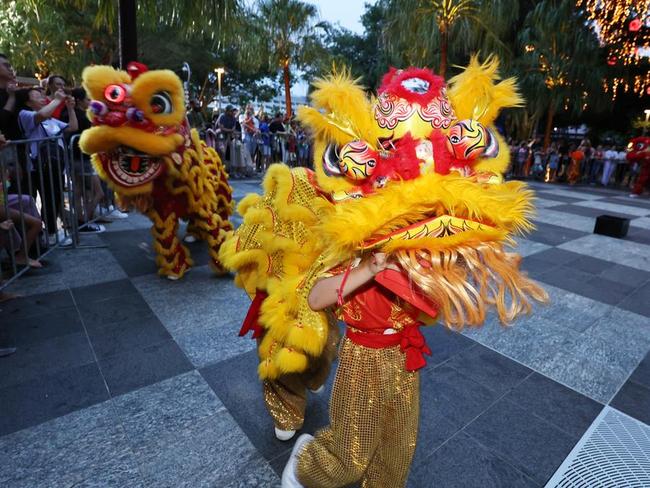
[573, 163]
[249, 141]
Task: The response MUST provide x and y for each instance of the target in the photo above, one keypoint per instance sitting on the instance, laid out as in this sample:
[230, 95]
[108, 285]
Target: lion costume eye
[115, 93]
[161, 103]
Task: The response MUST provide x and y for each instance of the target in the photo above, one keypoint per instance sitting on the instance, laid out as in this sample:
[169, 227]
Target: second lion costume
[415, 174]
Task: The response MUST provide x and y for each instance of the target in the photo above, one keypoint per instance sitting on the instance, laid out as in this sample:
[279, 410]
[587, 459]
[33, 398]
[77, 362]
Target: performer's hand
[379, 262]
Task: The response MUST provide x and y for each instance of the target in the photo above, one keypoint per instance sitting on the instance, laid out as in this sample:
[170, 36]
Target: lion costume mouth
[131, 168]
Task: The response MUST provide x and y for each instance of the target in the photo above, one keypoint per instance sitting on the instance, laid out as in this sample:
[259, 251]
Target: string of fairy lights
[623, 28]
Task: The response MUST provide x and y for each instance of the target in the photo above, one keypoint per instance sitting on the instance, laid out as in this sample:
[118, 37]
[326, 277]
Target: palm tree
[419, 28]
[288, 29]
[561, 61]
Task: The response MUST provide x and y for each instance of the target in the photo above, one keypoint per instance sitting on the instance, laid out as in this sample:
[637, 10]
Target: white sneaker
[289, 475]
[117, 214]
[189, 238]
[284, 435]
[318, 390]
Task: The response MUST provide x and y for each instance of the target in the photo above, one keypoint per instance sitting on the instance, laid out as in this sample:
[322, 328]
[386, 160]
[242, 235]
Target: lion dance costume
[415, 174]
[639, 153]
[143, 148]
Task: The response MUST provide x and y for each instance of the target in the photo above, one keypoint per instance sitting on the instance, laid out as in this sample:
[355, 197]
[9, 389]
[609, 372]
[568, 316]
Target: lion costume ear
[97, 78]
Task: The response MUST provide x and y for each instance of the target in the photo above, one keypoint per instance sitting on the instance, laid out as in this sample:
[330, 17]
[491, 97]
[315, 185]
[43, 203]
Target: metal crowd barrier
[237, 157]
[44, 201]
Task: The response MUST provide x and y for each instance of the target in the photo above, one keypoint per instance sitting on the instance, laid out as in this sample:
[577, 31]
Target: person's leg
[642, 180]
[286, 397]
[374, 401]
[32, 229]
[390, 464]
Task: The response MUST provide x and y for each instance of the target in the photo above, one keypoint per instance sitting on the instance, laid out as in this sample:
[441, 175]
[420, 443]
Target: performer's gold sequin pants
[286, 397]
[373, 427]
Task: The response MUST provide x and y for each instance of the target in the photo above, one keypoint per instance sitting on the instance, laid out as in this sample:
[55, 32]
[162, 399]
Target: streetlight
[220, 71]
[647, 116]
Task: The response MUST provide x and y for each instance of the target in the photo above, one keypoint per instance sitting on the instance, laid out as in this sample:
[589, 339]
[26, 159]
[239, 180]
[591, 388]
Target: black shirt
[8, 119]
[276, 126]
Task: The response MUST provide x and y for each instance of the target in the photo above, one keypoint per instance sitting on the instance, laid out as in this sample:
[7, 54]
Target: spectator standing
[621, 166]
[577, 157]
[250, 126]
[610, 156]
[522, 157]
[553, 162]
[596, 164]
[47, 158]
[8, 87]
[226, 129]
[265, 137]
[88, 191]
[195, 117]
[277, 133]
[55, 83]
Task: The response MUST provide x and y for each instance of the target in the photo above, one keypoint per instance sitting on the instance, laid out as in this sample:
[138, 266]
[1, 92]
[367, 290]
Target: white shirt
[47, 128]
[610, 155]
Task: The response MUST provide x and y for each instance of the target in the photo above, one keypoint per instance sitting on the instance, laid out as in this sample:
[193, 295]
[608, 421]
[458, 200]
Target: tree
[419, 29]
[562, 62]
[288, 27]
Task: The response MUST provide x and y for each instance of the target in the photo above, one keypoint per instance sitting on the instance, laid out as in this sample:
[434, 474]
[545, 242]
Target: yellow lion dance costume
[142, 146]
[415, 173]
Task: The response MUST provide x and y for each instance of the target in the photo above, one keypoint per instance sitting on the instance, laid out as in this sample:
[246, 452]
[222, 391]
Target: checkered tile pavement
[125, 379]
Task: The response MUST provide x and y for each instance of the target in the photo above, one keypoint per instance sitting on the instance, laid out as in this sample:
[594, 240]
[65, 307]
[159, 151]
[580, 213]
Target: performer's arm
[326, 291]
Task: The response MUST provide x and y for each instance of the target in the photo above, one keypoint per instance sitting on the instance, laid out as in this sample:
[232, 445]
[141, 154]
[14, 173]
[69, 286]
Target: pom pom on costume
[142, 147]
[416, 174]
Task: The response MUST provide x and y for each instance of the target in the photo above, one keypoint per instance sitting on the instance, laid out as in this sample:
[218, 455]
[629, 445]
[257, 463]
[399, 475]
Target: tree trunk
[128, 40]
[287, 88]
[444, 43]
[549, 126]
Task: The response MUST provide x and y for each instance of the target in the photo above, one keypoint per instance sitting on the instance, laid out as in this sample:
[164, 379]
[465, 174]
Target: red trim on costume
[251, 322]
[410, 340]
[392, 83]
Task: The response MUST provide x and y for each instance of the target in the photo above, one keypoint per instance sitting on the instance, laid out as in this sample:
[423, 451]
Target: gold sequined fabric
[373, 427]
[286, 397]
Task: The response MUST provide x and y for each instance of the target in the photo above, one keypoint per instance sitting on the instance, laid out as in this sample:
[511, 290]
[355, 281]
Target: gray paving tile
[35, 285]
[531, 444]
[563, 407]
[547, 202]
[576, 209]
[133, 250]
[638, 301]
[641, 374]
[626, 275]
[128, 335]
[138, 368]
[556, 256]
[32, 361]
[642, 223]
[434, 431]
[39, 328]
[245, 403]
[444, 388]
[624, 331]
[526, 247]
[50, 396]
[530, 342]
[36, 305]
[634, 400]
[102, 291]
[156, 414]
[589, 264]
[444, 344]
[545, 193]
[641, 236]
[112, 310]
[593, 378]
[553, 235]
[615, 250]
[89, 266]
[584, 284]
[576, 222]
[626, 200]
[463, 462]
[619, 208]
[214, 452]
[570, 310]
[211, 342]
[84, 448]
[489, 368]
